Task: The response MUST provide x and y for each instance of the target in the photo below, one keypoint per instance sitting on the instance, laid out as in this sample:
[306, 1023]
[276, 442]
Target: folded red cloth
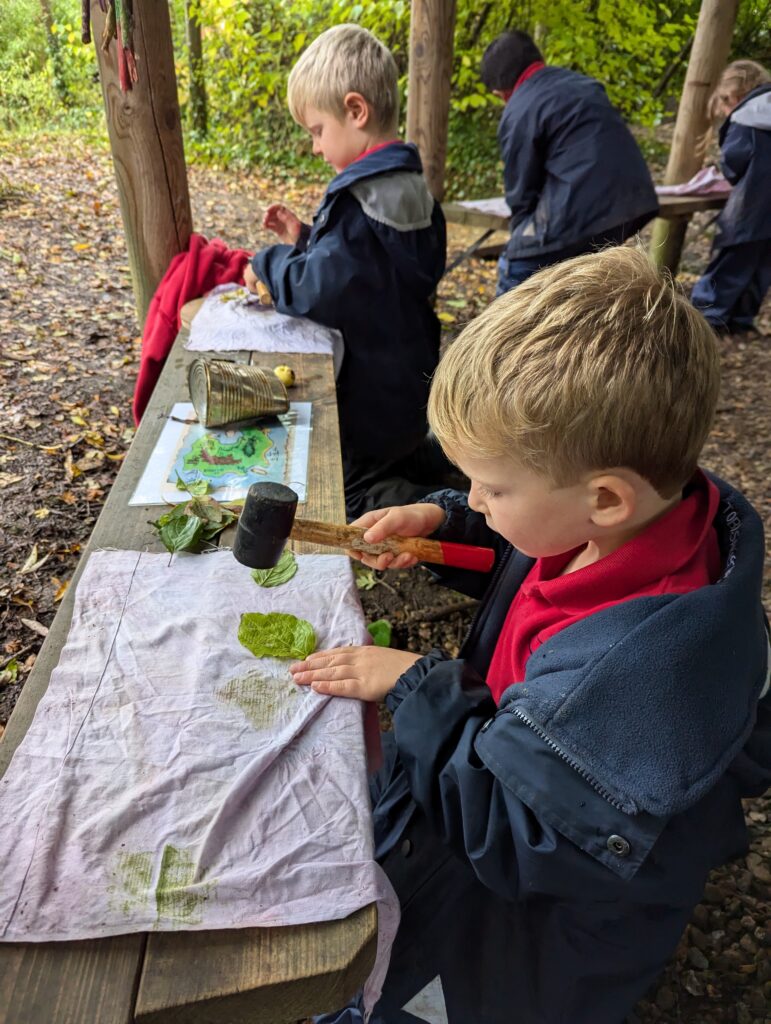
[190, 274]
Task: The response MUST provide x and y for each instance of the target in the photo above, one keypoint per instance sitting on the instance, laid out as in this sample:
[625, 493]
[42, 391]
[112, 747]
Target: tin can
[234, 394]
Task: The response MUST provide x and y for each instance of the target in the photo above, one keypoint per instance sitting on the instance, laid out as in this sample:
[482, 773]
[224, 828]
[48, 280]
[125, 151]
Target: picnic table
[240, 976]
[492, 215]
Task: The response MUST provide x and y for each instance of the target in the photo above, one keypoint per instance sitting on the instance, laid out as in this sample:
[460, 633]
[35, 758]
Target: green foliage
[48, 77]
[190, 524]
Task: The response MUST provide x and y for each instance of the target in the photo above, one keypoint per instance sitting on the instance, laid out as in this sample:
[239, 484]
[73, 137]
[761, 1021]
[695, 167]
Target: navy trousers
[733, 286]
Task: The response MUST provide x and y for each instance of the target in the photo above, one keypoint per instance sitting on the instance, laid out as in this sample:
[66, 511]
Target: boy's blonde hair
[594, 363]
[738, 79]
[346, 58]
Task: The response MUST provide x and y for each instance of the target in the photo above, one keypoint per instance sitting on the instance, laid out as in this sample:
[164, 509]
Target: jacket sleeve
[309, 281]
[464, 526]
[524, 165]
[441, 710]
[736, 151]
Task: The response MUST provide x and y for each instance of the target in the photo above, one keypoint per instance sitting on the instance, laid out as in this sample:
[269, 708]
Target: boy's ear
[613, 500]
[357, 108]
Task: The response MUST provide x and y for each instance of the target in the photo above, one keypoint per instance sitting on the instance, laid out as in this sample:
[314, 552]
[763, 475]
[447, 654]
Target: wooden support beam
[432, 27]
[147, 150]
[711, 46]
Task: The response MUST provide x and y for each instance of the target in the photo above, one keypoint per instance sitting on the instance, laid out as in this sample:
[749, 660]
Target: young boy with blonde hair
[368, 265]
[556, 795]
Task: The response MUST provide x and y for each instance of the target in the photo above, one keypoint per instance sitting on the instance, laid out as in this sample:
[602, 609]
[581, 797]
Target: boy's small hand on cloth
[419, 520]
[366, 673]
[282, 222]
[250, 279]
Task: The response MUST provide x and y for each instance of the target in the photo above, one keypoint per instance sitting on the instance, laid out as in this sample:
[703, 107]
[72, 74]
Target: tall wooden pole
[147, 151]
[711, 46]
[432, 26]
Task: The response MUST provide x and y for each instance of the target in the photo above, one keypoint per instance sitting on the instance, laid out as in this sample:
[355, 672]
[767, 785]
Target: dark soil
[69, 352]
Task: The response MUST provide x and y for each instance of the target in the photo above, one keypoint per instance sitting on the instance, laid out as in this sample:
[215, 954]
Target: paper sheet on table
[172, 780]
[708, 181]
[228, 460]
[231, 318]
[497, 206]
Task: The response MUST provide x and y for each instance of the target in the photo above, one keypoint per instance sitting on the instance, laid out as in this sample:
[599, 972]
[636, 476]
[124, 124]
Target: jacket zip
[571, 761]
[488, 596]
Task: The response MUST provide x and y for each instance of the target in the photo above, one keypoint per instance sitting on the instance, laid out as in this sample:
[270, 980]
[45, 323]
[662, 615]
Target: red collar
[662, 550]
[529, 71]
[374, 149]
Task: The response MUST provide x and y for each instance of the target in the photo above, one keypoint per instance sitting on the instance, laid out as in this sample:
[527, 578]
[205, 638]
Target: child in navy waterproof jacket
[368, 265]
[732, 288]
[574, 176]
[555, 795]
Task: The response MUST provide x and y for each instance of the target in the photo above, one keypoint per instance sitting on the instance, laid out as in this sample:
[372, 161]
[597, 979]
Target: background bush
[637, 48]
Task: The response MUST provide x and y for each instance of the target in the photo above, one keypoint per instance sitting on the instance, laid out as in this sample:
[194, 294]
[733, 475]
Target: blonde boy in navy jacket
[556, 795]
[368, 265]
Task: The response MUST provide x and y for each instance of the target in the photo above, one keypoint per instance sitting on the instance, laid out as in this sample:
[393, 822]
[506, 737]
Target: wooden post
[147, 151]
[432, 26]
[711, 46]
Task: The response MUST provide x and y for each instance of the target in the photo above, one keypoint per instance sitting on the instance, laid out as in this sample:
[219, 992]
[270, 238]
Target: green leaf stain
[261, 698]
[136, 875]
[175, 900]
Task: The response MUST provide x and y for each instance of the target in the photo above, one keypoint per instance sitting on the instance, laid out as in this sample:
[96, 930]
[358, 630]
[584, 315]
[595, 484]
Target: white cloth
[243, 323]
[496, 206]
[706, 182]
[172, 780]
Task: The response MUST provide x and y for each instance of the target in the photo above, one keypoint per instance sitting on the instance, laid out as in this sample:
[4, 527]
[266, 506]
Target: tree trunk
[431, 48]
[54, 51]
[147, 152]
[711, 46]
[198, 119]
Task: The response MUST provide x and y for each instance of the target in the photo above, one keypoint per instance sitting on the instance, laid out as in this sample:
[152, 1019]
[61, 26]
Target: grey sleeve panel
[756, 113]
[400, 200]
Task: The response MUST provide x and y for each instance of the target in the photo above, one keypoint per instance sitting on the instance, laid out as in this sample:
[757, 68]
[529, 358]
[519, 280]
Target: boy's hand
[282, 222]
[398, 520]
[250, 279]
[367, 673]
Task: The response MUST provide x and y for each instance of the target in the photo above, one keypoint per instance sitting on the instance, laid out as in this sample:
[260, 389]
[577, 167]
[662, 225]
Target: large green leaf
[182, 533]
[276, 635]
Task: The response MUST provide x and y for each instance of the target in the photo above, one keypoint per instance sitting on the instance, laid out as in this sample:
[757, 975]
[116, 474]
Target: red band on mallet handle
[461, 556]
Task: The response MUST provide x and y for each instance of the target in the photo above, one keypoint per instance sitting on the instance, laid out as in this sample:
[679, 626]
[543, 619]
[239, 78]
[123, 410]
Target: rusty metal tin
[232, 394]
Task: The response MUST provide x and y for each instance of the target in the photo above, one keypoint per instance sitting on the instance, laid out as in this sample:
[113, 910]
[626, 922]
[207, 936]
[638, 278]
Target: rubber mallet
[268, 521]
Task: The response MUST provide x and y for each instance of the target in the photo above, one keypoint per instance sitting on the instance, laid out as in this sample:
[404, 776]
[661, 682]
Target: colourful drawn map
[226, 462]
[217, 456]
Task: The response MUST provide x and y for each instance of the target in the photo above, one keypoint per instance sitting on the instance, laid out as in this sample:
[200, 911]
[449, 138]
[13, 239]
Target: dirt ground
[69, 352]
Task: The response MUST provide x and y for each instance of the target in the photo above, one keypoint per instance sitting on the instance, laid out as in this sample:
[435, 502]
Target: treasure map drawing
[231, 318]
[223, 463]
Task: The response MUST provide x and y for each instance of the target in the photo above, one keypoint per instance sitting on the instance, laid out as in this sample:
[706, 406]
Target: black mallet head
[264, 525]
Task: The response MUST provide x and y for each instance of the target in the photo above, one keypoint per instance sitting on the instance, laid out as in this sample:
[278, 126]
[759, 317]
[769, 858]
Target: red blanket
[190, 274]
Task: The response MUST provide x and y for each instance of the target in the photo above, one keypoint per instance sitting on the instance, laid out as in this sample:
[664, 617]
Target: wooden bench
[677, 208]
[240, 976]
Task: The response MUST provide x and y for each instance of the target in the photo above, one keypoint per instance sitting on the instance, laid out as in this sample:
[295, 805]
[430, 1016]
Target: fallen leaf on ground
[36, 627]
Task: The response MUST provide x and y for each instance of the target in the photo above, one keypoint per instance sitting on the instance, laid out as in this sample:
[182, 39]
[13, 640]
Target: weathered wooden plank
[256, 975]
[79, 982]
[91, 982]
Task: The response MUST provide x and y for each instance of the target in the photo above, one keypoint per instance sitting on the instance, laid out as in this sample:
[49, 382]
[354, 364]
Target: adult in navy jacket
[368, 266]
[574, 177]
[629, 821]
[730, 292]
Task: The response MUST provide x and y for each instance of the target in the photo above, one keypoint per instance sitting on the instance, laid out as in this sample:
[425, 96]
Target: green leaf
[10, 673]
[282, 571]
[365, 578]
[183, 533]
[380, 631]
[276, 635]
[195, 487]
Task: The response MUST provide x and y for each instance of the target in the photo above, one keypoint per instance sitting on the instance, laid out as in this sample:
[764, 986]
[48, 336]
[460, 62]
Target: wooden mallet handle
[461, 556]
